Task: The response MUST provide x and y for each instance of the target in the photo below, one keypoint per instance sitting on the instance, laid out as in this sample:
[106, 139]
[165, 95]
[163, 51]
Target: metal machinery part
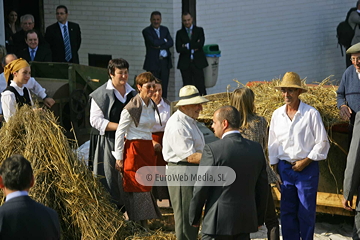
[70, 85]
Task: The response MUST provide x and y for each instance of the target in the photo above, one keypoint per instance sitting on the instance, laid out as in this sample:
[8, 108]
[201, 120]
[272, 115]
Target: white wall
[263, 39]
[259, 39]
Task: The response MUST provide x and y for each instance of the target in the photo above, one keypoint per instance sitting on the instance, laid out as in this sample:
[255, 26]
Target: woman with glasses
[136, 122]
[107, 102]
[255, 128]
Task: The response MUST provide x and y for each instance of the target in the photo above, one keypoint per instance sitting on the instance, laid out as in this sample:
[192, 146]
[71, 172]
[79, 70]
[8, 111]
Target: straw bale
[321, 96]
[62, 181]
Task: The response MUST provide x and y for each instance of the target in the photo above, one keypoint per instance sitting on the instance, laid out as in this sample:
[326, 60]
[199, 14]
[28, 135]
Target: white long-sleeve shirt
[304, 136]
[8, 100]
[127, 128]
[32, 85]
[97, 119]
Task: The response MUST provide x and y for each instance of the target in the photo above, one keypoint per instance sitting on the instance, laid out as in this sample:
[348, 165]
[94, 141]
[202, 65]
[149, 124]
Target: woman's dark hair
[16, 173]
[117, 63]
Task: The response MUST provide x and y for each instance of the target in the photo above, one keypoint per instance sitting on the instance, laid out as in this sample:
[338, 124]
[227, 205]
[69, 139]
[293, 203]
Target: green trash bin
[213, 55]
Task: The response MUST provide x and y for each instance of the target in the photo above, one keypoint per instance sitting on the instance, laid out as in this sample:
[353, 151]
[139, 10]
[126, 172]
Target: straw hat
[190, 95]
[353, 49]
[291, 80]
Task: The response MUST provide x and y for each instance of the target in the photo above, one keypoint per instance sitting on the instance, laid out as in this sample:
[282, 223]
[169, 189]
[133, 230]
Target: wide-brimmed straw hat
[190, 95]
[291, 80]
[353, 49]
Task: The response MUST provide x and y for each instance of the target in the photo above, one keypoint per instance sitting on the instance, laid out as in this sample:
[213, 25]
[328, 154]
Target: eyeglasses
[288, 90]
[355, 59]
[148, 86]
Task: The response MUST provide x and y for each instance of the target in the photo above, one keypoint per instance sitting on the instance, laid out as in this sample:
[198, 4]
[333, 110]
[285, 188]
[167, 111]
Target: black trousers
[163, 73]
[241, 236]
[194, 76]
[271, 219]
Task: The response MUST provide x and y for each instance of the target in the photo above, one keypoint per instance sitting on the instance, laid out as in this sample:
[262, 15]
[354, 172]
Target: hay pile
[62, 181]
[267, 99]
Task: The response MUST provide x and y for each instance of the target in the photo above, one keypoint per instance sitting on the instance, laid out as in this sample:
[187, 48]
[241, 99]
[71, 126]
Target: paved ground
[327, 227]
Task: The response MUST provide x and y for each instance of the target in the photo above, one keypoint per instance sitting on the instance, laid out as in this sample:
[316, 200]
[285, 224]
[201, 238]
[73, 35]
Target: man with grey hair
[27, 23]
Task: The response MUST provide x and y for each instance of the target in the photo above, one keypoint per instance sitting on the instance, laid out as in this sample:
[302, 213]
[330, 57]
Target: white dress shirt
[97, 119]
[127, 128]
[182, 137]
[164, 111]
[304, 136]
[8, 100]
[32, 85]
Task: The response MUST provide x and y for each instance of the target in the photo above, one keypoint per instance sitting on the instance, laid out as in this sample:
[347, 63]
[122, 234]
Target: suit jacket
[153, 46]
[55, 39]
[43, 54]
[352, 170]
[24, 218]
[19, 41]
[239, 207]
[197, 43]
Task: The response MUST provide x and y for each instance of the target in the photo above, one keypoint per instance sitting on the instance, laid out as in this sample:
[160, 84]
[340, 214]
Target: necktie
[68, 54]
[157, 32]
[32, 54]
[189, 32]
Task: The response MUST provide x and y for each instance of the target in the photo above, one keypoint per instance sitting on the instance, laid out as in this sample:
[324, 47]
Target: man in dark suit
[20, 216]
[27, 24]
[236, 210]
[190, 40]
[158, 57]
[64, 37]
[34, 52]
[351, 177]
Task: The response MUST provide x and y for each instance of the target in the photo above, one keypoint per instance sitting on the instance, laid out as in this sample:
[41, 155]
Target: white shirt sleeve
[8, 103]
[273, 144]
[322, 146]
[36, 88]
[97, 119]
[124, 124]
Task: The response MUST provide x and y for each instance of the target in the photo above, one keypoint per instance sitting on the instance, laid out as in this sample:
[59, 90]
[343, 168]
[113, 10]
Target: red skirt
[157, 137]
[137, 153]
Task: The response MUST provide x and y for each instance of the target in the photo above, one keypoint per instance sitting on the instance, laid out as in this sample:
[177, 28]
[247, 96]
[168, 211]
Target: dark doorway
[190, 6]
[22, 7]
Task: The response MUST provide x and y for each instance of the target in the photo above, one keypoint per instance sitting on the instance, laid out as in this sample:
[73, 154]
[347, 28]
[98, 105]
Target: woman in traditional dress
[107, 102]
[17, 73]
[136, 122]
[160, 192]
[255, 128]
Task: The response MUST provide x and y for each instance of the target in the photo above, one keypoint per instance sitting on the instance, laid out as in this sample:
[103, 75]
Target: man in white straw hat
[348, 93]
[297, 141]
[183, 144]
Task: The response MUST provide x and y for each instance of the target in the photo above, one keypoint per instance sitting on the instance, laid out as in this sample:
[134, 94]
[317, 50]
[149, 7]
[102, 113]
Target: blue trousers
[298, 200]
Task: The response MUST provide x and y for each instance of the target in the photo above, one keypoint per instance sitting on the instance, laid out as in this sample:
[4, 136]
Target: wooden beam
[325, 203]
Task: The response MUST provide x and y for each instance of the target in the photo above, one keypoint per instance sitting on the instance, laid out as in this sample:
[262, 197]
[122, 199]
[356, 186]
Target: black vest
[20, 100]
[114, 115]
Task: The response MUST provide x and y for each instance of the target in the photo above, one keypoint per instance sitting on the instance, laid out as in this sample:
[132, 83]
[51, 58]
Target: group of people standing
[189, 44]
[133, 129]
[61, 42]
